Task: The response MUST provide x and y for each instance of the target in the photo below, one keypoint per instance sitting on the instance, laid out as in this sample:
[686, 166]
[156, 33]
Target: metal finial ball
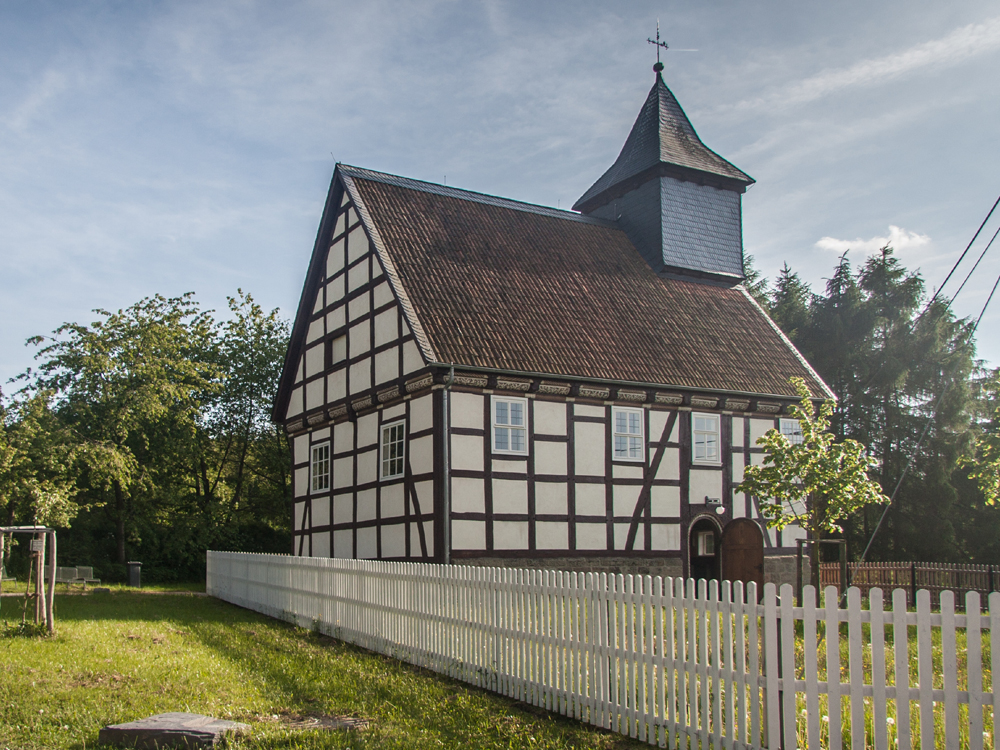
[658, 67]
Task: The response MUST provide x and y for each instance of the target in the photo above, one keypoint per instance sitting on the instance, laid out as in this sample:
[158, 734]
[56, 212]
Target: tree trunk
[120, 522]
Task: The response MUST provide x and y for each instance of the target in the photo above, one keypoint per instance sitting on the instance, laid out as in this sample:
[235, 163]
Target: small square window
[320, 467]
[393, 448]
[705, 438]
[628, 434]
[792, 430]
[510, 425]
[705, 543]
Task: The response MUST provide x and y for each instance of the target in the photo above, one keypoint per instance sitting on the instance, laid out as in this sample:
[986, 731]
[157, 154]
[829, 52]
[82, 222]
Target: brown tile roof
[511, 286]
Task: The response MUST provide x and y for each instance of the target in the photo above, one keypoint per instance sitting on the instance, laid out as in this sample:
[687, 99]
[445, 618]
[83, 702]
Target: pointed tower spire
[672, 194]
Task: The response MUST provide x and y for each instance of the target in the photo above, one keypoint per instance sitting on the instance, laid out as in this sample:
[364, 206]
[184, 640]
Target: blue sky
[187, 146]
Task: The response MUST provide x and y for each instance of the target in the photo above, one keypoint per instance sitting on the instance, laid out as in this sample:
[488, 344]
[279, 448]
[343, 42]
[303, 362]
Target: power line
[962, 256]
[969, 275]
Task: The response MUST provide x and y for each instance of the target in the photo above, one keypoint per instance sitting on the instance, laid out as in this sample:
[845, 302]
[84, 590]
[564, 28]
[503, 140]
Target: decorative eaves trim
[423, 342]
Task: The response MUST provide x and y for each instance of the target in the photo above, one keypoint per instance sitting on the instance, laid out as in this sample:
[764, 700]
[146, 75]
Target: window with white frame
[510, 425]
[393, 447]
[791, 429]
[705, 438]
[628, 434]
[319, 467]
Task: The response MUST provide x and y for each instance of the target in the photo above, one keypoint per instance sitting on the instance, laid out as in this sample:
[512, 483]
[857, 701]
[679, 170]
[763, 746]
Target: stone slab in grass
[170, 730]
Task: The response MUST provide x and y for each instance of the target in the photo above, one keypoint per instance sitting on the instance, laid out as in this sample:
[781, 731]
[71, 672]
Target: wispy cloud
[960, 45]
[898, 238]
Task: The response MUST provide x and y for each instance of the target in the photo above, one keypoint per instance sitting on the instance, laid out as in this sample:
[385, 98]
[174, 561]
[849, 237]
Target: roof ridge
[434, 188]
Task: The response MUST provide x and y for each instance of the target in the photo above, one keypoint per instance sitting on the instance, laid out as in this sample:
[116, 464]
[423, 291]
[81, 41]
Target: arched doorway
[703, 549]
[743, 552]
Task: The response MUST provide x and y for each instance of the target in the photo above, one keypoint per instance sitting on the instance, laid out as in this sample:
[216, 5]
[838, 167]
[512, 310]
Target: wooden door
[743, 552]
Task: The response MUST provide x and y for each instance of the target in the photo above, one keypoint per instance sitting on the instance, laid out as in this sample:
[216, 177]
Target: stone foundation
[652, 566]
[781, 569]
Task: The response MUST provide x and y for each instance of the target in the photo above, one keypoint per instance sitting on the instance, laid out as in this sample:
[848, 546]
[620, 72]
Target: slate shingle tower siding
[676, 199]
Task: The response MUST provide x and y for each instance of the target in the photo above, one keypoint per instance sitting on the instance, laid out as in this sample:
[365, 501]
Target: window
[510, 425]
[393, 447]
[628, 434]
[705, 438]
[705, 543]
[320, 467]
[792, 430]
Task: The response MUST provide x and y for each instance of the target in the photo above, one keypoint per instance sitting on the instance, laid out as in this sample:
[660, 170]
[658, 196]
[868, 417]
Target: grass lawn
[122, 656]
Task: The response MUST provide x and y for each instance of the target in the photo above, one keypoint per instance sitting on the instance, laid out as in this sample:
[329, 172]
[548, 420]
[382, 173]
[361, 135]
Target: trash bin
[133, 574]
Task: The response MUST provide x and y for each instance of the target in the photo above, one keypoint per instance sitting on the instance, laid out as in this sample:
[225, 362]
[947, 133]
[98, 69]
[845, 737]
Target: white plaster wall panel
[387, 365]
[415, 549]
[298, 370]
[357, 307]
[590, 500]
[467, 410]
[665, 501]
[665, 537]
[360, 338]
[301, 448]
[510, 535]
[467, 452]
[551, 498]
[361, 376]
[343, 437]
[657, 421]
[739, 505]
[314, 360]
[343, 510]
[589, 448]
[319, 435]
[337, 385]
[550, 418]
[429, 536]
[367, 543]
[299, 508]
[421, 413]
[737, 432]
[336, 319]
[412, 360]
[393, 500]
[586, 410]
[551, 535]
[466, 535]
[394, 540]
[550, 458]
[758, 428]
[621, 537]
[314, 394]
[626, 471]
[467, 495]
[316, 331]
[295, 402]
[790, 534]
[343, 473]
[704, 483]
[301, 481]
[624, 498]
[320, 511]
[367, 466]
[366, 505]
[321, 544]
[335, 258]
[357, 276]
[422, 454]
[510, 496]
[338, 349]
[756, 459]
[393, 412]
[512, 465]
[319, 303]
[336, 290]
[737, 468]
[357, 243]
[382, 293]
[377, 272]
[425, 496]
[670, 465]
[386, 326]
[591, 536]
[343, 544]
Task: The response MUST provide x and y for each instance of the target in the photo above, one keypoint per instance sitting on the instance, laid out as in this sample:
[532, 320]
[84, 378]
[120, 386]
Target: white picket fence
[661, 660]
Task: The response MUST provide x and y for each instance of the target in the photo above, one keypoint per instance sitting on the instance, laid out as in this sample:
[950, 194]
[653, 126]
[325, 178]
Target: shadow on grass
[182, 609]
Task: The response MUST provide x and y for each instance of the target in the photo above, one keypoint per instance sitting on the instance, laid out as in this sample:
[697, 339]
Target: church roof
[662, 141]
[495, 283]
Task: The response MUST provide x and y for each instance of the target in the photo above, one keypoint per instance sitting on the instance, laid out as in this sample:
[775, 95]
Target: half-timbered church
[480, 380]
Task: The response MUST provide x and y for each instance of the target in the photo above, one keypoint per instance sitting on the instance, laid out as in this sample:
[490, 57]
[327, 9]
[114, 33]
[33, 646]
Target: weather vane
[659, 66]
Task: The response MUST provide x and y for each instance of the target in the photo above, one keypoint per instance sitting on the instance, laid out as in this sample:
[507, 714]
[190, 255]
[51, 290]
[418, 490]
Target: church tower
[678, 201]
